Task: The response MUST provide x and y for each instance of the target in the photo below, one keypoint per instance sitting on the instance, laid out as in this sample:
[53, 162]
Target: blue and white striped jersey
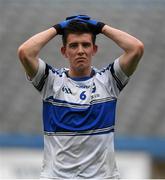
[78, 121]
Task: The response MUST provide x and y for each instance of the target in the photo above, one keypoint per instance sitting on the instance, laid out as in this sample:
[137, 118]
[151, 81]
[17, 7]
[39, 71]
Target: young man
[79, 103]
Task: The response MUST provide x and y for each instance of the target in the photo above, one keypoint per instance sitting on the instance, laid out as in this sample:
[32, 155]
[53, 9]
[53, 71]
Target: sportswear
[60, 27]
[95, 26]
[81, 16]
[79, 121]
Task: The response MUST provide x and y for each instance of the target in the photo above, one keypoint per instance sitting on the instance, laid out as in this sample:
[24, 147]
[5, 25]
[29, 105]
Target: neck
[80, 73]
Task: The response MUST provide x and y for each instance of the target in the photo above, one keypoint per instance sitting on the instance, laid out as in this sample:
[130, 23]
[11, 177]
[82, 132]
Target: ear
[95, 48]
[63, 51]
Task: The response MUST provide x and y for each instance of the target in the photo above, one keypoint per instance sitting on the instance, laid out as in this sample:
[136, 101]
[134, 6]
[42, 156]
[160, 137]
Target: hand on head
[94, 25]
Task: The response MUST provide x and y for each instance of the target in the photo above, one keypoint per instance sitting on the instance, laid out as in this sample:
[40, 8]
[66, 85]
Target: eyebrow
[86, 42]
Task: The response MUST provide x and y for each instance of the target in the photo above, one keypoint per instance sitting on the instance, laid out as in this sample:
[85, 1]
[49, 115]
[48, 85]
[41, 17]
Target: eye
[73, 45]
[86, 45]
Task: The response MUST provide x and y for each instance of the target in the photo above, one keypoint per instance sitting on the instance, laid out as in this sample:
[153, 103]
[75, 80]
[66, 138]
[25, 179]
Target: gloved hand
[63, 24]
[85, 17]
[60, 26]
[95, 26]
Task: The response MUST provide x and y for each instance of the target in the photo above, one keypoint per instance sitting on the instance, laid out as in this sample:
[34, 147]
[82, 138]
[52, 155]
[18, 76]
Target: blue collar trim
[81, 78]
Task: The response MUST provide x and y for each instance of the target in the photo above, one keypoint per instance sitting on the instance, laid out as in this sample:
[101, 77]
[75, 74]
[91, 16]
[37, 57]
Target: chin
[81, 68]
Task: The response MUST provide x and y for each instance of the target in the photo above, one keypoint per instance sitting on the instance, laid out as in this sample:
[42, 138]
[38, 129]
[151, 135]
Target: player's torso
[81, 106]
[79, 119]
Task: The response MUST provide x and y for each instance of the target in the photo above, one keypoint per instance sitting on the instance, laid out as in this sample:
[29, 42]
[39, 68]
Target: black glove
[63, 24]
[95, 26]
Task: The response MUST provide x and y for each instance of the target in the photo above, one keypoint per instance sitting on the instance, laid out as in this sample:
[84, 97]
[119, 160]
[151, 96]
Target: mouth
[80, 59]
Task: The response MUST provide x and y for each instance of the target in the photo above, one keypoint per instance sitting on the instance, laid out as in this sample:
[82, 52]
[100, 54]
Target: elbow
[25, 54]
[138, 49]
[22, 53]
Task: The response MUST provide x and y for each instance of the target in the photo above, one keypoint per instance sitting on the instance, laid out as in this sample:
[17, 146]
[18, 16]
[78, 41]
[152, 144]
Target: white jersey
[78, 121]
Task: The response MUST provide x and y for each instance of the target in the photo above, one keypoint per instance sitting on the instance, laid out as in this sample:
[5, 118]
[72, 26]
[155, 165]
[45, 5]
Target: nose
[80, 50]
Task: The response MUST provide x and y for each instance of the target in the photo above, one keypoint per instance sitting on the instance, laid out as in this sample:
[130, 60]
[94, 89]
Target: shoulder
[103, 71]
[113, 75]
[59, 72]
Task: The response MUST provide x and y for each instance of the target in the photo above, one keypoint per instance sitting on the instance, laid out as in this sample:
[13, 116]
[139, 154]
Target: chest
[81, 92]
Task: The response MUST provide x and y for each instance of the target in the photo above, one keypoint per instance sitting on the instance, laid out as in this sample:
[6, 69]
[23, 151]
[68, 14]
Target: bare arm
[133, 48]
[28, 52]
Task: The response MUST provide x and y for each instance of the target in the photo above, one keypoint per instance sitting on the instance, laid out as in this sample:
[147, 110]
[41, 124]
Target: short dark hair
[77, 27]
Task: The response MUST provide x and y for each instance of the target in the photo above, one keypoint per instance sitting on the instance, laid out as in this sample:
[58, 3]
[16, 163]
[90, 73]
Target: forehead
[85, 37]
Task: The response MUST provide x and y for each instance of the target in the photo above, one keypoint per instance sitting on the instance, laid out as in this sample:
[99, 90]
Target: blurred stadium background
[140, 127]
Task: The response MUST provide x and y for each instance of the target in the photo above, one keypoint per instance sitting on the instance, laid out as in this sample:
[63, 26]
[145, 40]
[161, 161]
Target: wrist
[58, 28]
[100, 26]
[105, 28]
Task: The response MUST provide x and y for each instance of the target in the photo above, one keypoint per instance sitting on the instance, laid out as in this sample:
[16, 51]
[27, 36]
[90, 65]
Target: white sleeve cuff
[40, 72]
[119, 72]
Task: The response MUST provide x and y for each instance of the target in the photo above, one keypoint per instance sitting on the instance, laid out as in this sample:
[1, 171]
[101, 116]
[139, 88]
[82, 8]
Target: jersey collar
[84, 78]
